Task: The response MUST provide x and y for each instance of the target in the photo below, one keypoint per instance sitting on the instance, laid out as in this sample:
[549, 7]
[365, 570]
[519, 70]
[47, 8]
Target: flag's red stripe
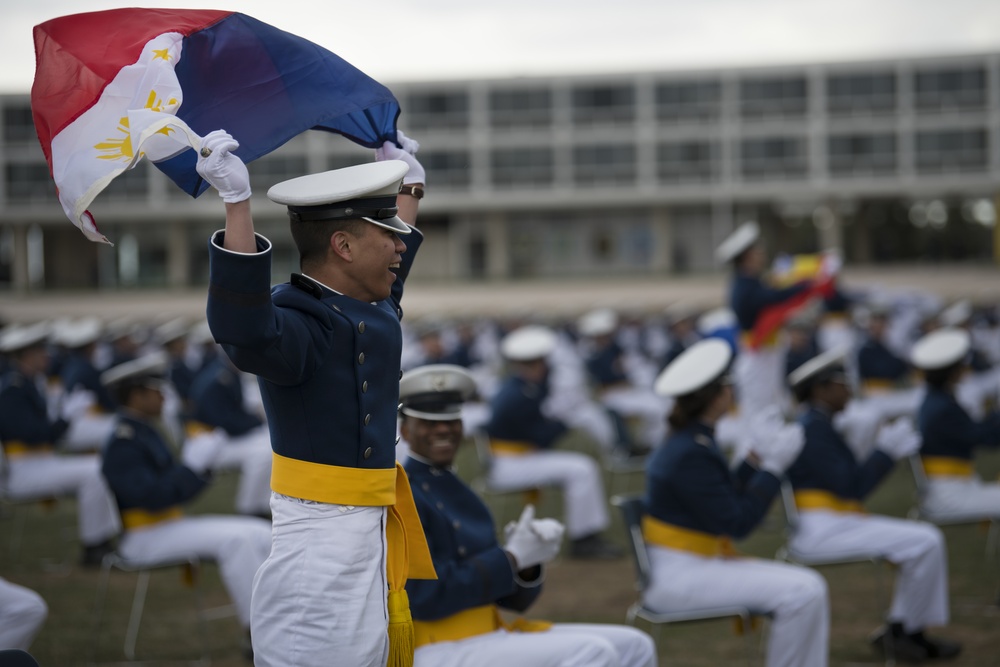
[77, 56]
[773, 317]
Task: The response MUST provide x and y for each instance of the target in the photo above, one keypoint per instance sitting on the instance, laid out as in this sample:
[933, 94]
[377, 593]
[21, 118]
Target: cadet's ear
[404, 428]
[340, 243]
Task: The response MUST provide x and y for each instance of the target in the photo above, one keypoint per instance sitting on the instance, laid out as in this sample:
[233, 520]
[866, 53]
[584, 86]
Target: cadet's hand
[223, 170]
[407, 154]
[201, 451]
[75, 404]
[527, 546]
[782, 449]
[898, 439]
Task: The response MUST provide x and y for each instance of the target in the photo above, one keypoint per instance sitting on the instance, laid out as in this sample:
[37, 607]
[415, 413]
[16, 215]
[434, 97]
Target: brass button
[399, 312]
[456, 524]
[461, 551]
[361, 326]
[439, 505]
[361, 358]
[425, 486]
[364, 386]
[368, 419]
[368, 453]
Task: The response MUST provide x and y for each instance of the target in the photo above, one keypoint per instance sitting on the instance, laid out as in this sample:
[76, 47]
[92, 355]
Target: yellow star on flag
[161, 53]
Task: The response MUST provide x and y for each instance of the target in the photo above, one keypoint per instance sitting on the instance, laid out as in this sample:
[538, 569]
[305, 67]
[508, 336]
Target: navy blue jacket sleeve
[24, 418]
[136, 482]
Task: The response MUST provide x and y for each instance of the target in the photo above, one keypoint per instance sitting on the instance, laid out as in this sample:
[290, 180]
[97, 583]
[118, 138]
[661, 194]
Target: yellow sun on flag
[121, 148]
[162, 54]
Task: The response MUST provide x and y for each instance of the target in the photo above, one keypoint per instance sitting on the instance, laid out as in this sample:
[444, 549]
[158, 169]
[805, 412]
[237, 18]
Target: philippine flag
[115, 86]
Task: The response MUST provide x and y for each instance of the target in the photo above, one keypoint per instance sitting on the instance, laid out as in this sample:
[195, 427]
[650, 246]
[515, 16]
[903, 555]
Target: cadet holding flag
[326, 350]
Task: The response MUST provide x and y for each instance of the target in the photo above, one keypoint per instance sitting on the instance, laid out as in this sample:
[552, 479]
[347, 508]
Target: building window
[18, 126]
[603, 105]
[522, 168]
[861, 93]
[341, 160]
[129, 186]
[951, 151]
[687, 161]
[956, 88]
[604, 164]
[447, 169]
[521, 108]
[688, 101]
[438, 110]
[29, 183]
[272, 169]
[862, 154]
[774, 157]
[774, 97]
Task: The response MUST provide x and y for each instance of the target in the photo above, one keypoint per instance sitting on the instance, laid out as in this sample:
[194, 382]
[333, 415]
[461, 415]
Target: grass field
[575, 591]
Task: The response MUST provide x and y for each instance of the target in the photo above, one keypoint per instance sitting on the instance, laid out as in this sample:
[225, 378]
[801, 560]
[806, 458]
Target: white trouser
[961, 498]
[249, 453]
[42, 475]
[579, 645]
[89, 432]
[917, 548]
[239, 544]
[642, 403]
[795, 596]
[576, 473]
[320, 597]
[22, 613]
[760, 382]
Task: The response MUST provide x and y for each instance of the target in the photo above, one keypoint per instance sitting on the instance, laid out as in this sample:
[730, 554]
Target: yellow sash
[874, 386]
[815, 499]
[511, 447]
[136, 519]
[684, 539]
[408, 553]
[470, 623]
[16, 449]
[946, 466]
[193, 428]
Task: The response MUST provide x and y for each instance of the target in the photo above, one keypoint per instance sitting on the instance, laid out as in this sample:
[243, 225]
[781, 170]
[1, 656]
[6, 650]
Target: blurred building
[630, 174]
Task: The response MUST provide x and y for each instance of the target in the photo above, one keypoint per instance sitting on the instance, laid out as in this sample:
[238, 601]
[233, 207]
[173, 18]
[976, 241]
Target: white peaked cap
[817, 365]
[940, 349]
[694, 368]
[597, 322]
[528, 343]
[18, 336]
[736, 243]
[435, 392]
[151, 365]
[357, 187]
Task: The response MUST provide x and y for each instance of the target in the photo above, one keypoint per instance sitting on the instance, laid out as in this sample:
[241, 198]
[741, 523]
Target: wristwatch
[415, 191]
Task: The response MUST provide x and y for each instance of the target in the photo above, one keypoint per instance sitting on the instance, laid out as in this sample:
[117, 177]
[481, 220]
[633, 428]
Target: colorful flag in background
[113, 87]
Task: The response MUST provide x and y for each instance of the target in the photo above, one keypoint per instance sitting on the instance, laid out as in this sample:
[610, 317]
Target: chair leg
[135, 616]
[102, 593]
[883, 602]
[17, 533]
[747, 622]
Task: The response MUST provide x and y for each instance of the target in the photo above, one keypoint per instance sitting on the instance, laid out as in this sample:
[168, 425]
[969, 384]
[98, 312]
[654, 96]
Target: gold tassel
[400, 630]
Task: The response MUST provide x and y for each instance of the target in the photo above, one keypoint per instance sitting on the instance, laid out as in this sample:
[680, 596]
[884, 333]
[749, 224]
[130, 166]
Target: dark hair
[122, 391]
[312, 237]
[939, 377]
[689, 407]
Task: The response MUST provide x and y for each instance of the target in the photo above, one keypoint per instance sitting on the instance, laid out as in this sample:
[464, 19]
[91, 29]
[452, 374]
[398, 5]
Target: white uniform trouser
[579, 645]
[249, 453]
[759, 376]
[795, 596]
[238, 544]
[22, 613]
[642, 403]
[89, 432]
[320, 597]
[961, 498]
[41, 475]
[577, 474]
[917, 548]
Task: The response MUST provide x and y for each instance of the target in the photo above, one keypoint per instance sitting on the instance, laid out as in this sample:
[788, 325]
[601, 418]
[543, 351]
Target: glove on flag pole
[115, 86]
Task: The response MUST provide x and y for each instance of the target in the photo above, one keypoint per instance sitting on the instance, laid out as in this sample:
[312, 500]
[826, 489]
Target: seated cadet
[830, 485]
[950, 435]
[29, 438]
[695, 504]
[978, 387]
[22, 613]
[150, 487]
[522, 438]
[456, 618]
[802, 344]
[217, 403]
[89, 431]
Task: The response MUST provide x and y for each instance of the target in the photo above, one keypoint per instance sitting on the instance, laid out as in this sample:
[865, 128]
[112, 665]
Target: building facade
[624, 174]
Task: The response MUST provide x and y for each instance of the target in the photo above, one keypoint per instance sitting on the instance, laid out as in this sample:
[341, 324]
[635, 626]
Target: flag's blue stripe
[265, 86]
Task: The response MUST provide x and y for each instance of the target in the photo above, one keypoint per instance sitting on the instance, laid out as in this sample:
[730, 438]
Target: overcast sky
[449, 39]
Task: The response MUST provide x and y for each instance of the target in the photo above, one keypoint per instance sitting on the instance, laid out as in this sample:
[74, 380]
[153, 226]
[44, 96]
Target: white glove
[898, 439]
[200, 452]
[782, 449]
[407, 154]
[75, 404]
[223, 170]
[532, 546]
